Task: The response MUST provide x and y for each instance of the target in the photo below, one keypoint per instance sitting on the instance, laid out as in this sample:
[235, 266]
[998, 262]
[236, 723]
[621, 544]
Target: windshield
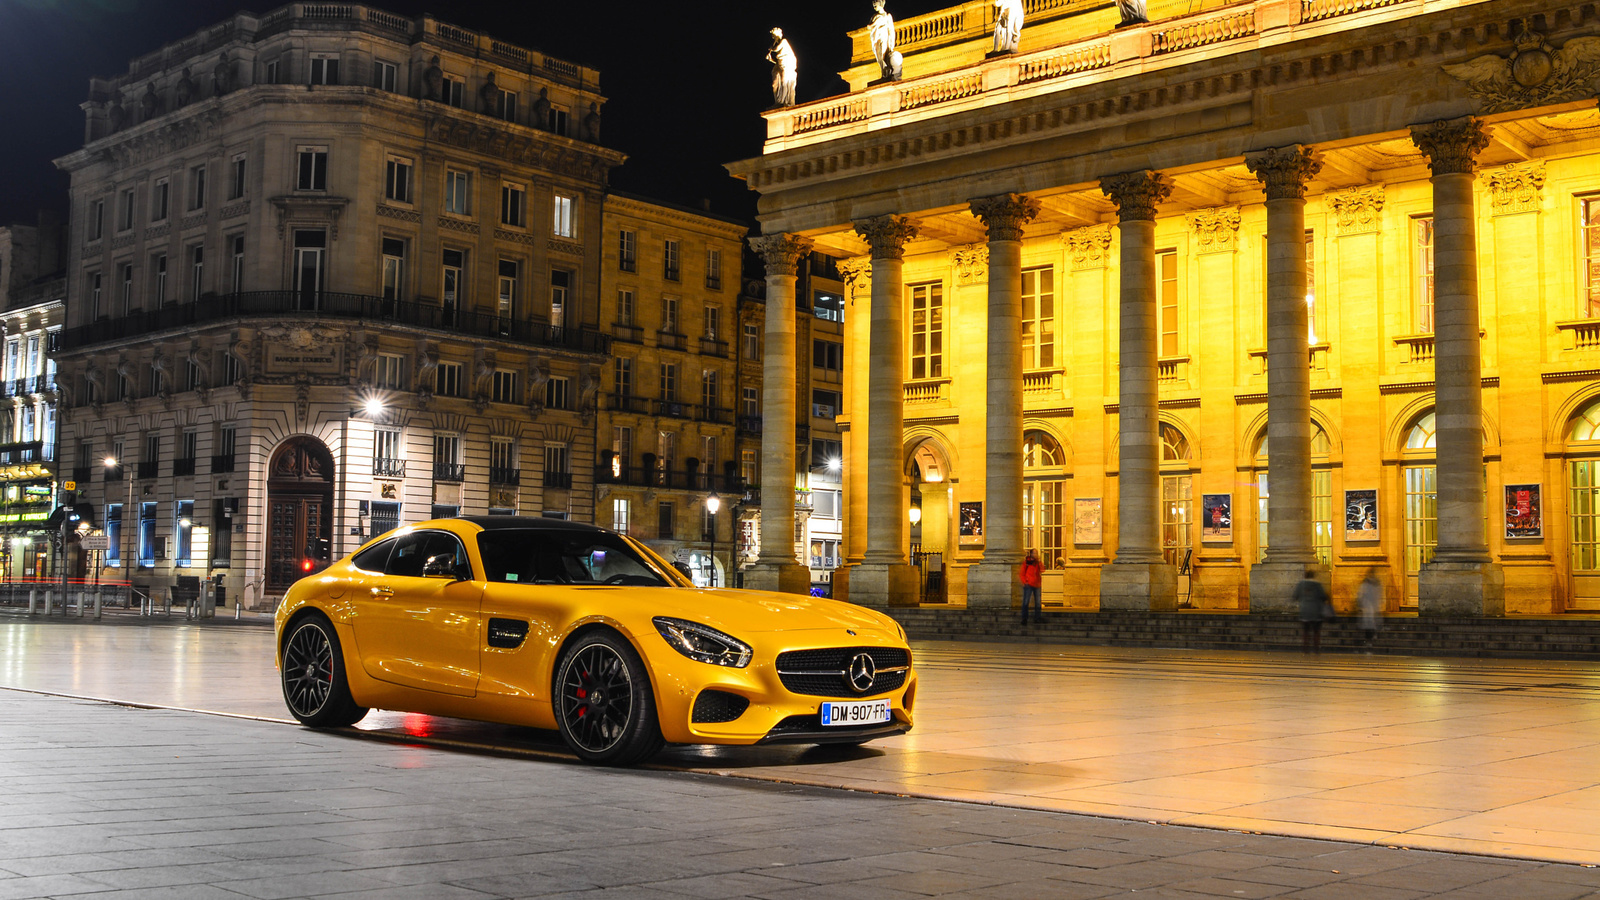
[550, 556]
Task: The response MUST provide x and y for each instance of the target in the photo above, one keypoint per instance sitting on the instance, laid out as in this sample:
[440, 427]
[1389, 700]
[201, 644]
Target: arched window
[1583, 513]
[1422, 435]
[1044, 497]
[1174, 446]
[1586, 424]
[1320, 444]
[1321, 496]
[1040, 451]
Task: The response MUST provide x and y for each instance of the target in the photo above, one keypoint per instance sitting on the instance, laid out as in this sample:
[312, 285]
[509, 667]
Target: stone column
[1138, 578]
[885, 577]
[1284, 172]
[994, 581]
[1462, 579]
[776, 568]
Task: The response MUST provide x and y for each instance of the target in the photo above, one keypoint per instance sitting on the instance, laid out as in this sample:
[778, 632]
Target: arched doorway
[1177, 498]
[1420, 480]
[299, 511]
[1321, 496]
[932, 518]
[1583, 507]
[1044, 490]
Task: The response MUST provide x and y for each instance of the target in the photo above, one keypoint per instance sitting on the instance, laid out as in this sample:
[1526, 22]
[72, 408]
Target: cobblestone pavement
[1479, 756]
[111, 801]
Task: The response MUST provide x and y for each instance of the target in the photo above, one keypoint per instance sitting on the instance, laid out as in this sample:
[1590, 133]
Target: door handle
[381, 591]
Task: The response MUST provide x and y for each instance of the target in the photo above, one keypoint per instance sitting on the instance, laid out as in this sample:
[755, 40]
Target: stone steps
[1531, 638]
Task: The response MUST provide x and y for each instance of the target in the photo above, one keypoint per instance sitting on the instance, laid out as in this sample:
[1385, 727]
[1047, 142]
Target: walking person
[1370, 596]
[1314, 607]
[1030, 589]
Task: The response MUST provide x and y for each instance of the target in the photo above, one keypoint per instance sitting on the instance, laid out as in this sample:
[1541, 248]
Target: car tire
[314, 684]
[604, 705]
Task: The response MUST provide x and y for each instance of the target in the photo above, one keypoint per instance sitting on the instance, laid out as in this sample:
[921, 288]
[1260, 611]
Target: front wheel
[314, 683]
[604, 705]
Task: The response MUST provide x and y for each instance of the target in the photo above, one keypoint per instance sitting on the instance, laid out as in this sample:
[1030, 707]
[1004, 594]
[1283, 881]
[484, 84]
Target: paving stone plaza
[1037, 771]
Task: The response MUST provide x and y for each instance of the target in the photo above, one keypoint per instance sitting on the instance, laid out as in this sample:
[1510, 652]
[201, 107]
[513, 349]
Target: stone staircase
[1512, 637]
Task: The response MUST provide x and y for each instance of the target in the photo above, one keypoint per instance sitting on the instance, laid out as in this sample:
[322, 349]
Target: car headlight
[703, 644]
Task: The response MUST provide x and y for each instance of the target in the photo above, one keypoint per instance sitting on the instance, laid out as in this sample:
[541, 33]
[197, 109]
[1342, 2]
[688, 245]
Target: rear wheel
[604, 705]
[314, 684]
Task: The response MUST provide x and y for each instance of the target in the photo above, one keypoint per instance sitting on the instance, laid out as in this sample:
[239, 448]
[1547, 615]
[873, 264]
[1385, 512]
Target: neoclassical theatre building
[331, 271]
[1192, 305]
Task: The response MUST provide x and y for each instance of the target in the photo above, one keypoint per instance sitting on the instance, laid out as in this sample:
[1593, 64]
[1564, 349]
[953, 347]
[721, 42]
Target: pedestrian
[1370, 596]
[1030, 589]
[1314, 606]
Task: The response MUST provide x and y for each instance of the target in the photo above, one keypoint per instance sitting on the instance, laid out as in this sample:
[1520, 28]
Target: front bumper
[809, 730]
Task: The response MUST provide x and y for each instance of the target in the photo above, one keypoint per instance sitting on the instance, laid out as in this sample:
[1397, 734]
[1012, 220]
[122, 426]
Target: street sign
[69, 486]
[96, 542]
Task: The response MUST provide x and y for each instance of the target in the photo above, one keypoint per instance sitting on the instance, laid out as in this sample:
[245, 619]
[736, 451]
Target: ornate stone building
[669, 288]
[331, 270]
[32, 295]
[1193, 305]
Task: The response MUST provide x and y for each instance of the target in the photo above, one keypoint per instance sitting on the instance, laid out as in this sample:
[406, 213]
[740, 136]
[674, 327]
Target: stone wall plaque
[317, 359]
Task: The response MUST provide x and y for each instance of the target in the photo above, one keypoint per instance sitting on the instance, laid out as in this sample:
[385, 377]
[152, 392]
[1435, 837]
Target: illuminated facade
[284, 218]
[32, 293]
[1192, 306]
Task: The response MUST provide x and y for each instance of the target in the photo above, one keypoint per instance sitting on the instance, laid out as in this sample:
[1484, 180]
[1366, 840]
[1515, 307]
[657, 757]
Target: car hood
[740, 612]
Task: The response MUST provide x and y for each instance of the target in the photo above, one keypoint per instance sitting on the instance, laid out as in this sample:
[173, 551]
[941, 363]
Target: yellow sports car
[552, 624]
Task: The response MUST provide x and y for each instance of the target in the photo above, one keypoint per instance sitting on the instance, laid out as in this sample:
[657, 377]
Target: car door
[421, 630]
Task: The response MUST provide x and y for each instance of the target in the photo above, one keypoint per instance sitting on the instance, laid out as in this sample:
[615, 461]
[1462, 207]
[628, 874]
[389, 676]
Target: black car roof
[502, 523]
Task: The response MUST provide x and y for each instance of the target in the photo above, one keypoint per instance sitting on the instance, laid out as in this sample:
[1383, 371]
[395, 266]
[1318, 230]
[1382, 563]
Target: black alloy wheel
[604, 705]
[314, 685]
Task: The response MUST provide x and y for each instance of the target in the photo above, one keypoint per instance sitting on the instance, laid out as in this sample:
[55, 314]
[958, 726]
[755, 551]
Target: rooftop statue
[1133, 12]
[881, 31]
[785, 69]
[1007, 25]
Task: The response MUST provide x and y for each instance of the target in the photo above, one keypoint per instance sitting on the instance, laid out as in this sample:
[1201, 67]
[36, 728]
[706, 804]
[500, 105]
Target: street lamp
[122, 521]
[372, 408]
[713, 503]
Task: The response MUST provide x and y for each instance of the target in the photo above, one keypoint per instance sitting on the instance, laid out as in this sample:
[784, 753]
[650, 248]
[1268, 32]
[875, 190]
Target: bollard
[83, 596]
[97, 601]
[33, 601]
[47, 597]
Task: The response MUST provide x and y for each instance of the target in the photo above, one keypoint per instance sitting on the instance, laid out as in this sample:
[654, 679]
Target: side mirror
[443, 565]
[683, 569]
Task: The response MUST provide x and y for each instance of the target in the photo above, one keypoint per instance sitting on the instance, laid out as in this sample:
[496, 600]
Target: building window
[183, 527]
[197, 188]
[447, 457]
[324, 70]
[1311, 288]
[393, 271]
[1167, 300]
[447, 380]
[397, 179]
[628, 250]
[158, 267]
[624, 307]
[96, 287]
[927, 330]
[114, 534]
[747, 466]
[310, 266]
[826, 453]
[828, 307]
[669, 315]
[664, 528]
[385, 516]
[388, 457]
[1589, 227]
[752, 401]
[1422, 246]
[505, 105]
[827, 355]
[125, 210]
[236, 177]
[506, 294]
[622, 369]
[160, 197]
[311, 169]
[666, 450]
[669, 381]
[453, 266]
[557, 393]
[669, 260]
[714, 269]
[513, 205]
[232, 369]
[560, 285]
[191, 375]
[222, 510]
[708, 390]
[708, 454]
[454, 88]
[556, 120]
[713, 322]
[504, 386]
[188, 447]
[197, 272]
[97, 219]
[227, 437]
[274, 72]
[620, 511]
[1039, 318]
[457, 192]
[147, 535]
[389, 371]
[824, 404]
[752, 341]
[564, 208]
[621, 449]
[236, 263]
[556, 472]
[385, 76]
[826, 504]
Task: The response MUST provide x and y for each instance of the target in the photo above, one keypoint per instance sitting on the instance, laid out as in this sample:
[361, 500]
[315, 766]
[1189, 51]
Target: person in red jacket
[1030, 588]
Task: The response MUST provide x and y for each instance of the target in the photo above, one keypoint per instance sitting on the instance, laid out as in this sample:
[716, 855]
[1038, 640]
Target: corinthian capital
[781, 252]
[1005, 215]
[1451, 145]
[1284, 170]
[1136, 193]
[887, 235]
[857, 274]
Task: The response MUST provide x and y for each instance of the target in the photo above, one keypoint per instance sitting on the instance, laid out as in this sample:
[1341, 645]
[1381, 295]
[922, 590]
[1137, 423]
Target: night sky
[685, 81]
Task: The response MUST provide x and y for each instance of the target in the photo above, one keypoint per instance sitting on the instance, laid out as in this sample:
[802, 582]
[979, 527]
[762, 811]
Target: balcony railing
[713, 347]
[505, 476]
[630, 403]
[332, 306]
[221, 465]
[183, 466]
[114, 473]
[149, 468]
[750, 424]
[82, 473]
[672, 409]
[453, 472]
[23, 453]
[384, 467]
[672, 479]
[558, 479]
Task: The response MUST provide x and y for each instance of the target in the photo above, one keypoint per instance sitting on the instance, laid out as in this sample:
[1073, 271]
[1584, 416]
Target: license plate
[865, 712]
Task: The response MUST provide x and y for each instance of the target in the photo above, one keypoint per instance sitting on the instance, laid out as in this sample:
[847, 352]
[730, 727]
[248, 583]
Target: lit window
[457, 192]
[1422, 244]
[562, 226]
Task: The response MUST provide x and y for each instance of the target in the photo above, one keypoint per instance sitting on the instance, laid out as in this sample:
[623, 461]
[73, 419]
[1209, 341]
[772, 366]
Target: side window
[374, 558]
[414, 549]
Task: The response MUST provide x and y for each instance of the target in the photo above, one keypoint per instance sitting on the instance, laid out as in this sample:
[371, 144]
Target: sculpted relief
[1534, 74]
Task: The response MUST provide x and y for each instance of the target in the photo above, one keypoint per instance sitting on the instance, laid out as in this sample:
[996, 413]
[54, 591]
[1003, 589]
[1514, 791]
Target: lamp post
[713, 503]
[373, 409]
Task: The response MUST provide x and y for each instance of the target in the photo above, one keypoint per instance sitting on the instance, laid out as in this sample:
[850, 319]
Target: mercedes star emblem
[862, 673]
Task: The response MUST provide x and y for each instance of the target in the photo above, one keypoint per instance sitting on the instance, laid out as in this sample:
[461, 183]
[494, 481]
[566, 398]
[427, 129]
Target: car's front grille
[826, 673]
[718, 706]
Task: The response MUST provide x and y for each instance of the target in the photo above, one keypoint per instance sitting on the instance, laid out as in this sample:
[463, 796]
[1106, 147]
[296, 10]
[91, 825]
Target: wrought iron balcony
[149, 468]
[505, 476]
[82, 473]
[114, 473]
[383, 467]
[558, 479]
[452, 472]
[750, 424]
[671, 479]
[22, 453]
[630, 403]
[221, 465]
[328, 305]
[183, 466]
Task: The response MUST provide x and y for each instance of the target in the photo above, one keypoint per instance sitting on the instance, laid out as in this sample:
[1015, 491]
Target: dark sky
[685, 81]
